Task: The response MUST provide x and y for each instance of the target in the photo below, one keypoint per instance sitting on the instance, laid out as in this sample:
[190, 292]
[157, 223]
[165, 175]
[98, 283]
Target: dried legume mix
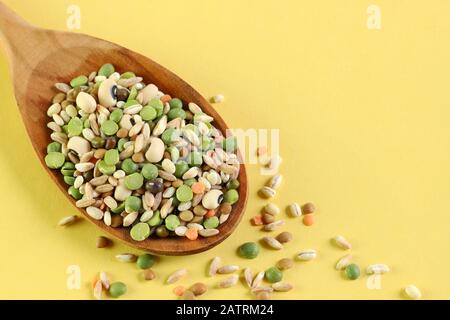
[135, 157]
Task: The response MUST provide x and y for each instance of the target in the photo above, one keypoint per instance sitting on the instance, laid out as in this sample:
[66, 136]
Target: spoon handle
[14, 30]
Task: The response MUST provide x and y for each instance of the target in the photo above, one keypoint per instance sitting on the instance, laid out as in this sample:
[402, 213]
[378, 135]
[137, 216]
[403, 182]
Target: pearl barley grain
[272, 209]
[294, 210]
[275, 181]
[412, 292]
[267, 192]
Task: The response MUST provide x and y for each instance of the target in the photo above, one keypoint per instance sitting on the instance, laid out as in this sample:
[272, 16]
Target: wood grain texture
[39, 58]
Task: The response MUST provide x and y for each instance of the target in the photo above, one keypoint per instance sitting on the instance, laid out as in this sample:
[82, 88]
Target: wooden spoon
[40, 58]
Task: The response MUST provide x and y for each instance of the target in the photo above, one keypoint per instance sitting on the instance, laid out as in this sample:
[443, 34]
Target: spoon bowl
[39, 58]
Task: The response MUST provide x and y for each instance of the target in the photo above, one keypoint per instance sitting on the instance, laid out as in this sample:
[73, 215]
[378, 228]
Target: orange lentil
[261, 151]
[210, 213]
[165, 98]
[198, 188]
[93, 160]
[308, 219]
[179, 291]
[191, 234]
[257, 220]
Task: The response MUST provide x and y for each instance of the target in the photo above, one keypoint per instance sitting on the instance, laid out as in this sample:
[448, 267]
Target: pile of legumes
[135, 157]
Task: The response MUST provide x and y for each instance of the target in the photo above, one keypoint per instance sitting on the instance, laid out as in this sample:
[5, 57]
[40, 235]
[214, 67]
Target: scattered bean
[103, 242]
[344, 262]
[274, 225]
[342, 242]
[145, 261]
[308, 208]
[176, 276]
[227, 269]
[275, 181]
[249, 250]
[149, 274]
[282, 287]
[308, 220]
[68, 220]
[126, 257]
[412, 292]
[117, 289]
[272, 243]
[229, 282]
[267, 192]
[199, 288]
[352, 271]
[294, 210]
[284, 237]
[214, 266]
[273, 275]
[285, 264]
[307, 255]
[272, 209]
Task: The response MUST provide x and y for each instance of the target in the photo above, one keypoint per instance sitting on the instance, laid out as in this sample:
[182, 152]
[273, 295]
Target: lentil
[285, 264]
[284, 237]
[199, 288]
[149, 274]
[308, 208]
[257, 220]
[179, 291]
[308, 220]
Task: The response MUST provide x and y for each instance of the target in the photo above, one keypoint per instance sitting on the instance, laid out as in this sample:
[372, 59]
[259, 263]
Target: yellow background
[364, 117]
